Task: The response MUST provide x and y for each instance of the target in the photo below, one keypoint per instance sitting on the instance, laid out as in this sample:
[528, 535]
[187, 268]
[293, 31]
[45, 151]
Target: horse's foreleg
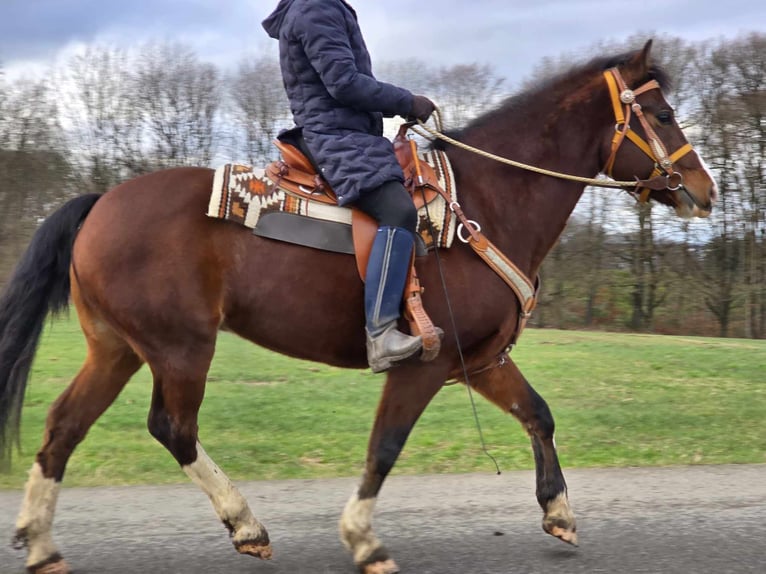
[506, 387]
[248, 535]
[405, 396]
[178, 391]
[109, 365]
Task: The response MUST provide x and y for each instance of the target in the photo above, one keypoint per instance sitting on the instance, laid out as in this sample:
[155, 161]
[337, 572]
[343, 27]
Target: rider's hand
[422, 108]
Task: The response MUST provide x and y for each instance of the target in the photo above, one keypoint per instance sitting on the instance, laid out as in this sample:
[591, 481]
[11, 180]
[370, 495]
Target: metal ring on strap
[680, 180]
[461, 228]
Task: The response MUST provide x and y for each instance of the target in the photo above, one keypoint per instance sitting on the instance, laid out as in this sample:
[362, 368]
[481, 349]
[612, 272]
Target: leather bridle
[624, 104]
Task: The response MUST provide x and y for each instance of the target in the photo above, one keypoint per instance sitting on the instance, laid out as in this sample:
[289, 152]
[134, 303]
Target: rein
[623, 103]
[436, 133]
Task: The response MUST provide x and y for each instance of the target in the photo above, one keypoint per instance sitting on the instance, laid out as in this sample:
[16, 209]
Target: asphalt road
[679, 520]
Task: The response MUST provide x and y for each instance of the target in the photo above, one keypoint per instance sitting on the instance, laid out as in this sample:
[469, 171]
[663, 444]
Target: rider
[339, 105]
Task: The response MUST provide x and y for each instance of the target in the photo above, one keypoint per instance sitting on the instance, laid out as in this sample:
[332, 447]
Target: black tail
[39, 284]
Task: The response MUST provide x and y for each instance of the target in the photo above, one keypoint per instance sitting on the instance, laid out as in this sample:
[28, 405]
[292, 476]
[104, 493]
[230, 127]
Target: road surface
[670, 520]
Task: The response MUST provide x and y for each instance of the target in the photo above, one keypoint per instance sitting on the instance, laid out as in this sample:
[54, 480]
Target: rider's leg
[392, 207]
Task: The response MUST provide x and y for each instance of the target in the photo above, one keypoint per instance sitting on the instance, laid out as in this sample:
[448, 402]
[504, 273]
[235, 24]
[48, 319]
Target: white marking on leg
[356, 528]
[229, 504]
[559, 507]
[36, 515]
[559, 521]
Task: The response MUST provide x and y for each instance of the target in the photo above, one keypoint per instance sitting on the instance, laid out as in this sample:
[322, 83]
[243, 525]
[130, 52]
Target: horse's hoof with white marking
[559, 520]
[384, 567]
[57, 566]
[563, 534]
[563, 528]
[257, 549]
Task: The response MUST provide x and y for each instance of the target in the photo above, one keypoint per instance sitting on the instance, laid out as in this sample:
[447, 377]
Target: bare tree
[410, 73]
[34, 170]
[748, 68]
[100, 110]
[554, 297]
[716, 122]
[259, 107]
[646, 261]
[462, 91]
[595, 245]
[466, 91]
[179, 97]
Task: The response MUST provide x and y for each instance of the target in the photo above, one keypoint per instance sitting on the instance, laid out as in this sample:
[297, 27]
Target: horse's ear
[645, 53]
[642, 60]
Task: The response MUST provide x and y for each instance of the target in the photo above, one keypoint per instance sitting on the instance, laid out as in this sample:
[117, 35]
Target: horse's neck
[524, 213]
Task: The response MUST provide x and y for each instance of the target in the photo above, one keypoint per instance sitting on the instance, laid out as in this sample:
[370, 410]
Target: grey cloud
[512, 35]
[38, 28]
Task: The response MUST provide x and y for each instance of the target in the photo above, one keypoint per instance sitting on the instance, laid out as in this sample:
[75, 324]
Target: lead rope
[431, 231]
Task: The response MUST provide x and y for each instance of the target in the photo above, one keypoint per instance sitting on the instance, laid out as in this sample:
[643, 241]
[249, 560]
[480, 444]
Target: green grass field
[618, 400]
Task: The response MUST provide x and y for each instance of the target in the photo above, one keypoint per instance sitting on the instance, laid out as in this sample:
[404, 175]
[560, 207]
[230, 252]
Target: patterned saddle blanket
[246, 195]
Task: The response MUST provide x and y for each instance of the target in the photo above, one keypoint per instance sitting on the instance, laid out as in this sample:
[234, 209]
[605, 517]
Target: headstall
[624, 104]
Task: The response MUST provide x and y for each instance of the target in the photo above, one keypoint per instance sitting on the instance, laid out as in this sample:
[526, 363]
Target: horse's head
[658, 152]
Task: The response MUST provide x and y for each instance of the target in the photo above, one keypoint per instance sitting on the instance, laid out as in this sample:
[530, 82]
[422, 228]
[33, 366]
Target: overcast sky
[510, 35]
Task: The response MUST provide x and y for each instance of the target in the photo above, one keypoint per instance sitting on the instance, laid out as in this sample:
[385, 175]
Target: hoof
[58, 567]
[262, 551]
[568, 536]
[385, 567]
[559, 520]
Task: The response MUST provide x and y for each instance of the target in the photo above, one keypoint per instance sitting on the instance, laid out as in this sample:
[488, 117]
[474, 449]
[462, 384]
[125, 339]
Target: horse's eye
[665, 117]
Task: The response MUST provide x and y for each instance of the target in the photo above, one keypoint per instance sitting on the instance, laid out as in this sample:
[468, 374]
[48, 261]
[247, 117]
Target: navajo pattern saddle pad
[247, 196]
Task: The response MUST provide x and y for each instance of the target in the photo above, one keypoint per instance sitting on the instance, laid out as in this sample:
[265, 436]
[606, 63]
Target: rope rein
[437, 133]
[621, 97]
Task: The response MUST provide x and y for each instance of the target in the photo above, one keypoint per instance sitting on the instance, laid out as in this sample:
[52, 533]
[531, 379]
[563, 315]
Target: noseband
[624, 104]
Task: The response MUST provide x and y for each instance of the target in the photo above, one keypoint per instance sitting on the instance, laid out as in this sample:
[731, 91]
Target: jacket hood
[273, 23]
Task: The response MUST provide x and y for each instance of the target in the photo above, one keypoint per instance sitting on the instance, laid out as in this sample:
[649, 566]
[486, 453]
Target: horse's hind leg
[506, 387]
[179, 383]
[109, 364]
[406, 394]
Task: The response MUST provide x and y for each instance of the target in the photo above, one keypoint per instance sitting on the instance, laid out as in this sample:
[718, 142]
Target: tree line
[107, 115]
[624, 265]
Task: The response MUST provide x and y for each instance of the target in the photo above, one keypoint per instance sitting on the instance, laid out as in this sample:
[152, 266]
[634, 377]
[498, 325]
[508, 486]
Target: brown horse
[154, 280]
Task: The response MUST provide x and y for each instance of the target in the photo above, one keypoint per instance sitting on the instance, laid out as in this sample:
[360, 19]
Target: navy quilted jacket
[333, 95]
